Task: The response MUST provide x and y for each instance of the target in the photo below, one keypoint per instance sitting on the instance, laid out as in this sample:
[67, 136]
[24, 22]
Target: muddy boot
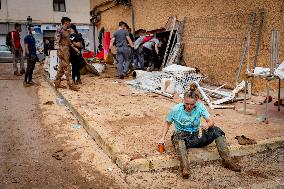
[58, 85]
[184, 162]
[224, 153]
[73, 87]
[79, 81]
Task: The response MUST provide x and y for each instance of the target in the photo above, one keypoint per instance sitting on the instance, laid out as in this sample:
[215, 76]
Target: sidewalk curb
[171, 161]
[108, 149]
[163, 161]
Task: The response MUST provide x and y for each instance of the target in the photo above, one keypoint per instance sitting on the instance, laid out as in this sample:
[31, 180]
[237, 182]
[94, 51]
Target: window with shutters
[59, 5]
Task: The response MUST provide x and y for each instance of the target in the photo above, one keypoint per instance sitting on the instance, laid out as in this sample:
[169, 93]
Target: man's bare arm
[129, 41]
[27, 49]
[111, 42]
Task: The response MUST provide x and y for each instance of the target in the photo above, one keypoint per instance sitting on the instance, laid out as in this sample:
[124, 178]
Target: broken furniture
[267, 74]
[223, 96]
[176, 76]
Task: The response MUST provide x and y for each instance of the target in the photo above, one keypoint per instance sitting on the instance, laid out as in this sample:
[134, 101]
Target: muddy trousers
[64, 67]
[18, 57]
[149, 56]
[184, 140]
[138, 60]
[30, 68]
[122, 58]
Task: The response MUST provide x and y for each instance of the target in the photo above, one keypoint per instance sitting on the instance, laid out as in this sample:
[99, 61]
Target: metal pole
[94, 36]
[246, 46]
[279, 95]
[133, 20]
[245, 100]
[266, 105]
[272, 38]
[168, 45]
[260, 28]
[262, 14]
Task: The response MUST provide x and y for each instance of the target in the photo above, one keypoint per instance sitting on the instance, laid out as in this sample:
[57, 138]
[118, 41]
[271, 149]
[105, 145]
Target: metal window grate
[59, 5]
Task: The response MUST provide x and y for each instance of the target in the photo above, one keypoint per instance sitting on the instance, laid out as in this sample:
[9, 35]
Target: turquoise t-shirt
[187, 121]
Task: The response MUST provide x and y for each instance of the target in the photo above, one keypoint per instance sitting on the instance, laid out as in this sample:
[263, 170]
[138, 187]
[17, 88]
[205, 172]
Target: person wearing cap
[62, 44]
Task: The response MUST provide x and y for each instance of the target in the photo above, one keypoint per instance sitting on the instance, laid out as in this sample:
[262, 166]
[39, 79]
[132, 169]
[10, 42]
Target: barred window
[59, 5]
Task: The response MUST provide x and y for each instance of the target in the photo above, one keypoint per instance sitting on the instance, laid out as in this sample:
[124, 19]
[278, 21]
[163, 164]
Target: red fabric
[89, 54]
[100, 55]
[147, 39]
[107, 40]
[106, 43]
[17, 39]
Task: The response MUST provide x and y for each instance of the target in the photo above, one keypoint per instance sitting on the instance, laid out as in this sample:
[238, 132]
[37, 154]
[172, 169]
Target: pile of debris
[176, 79]
[172, 79]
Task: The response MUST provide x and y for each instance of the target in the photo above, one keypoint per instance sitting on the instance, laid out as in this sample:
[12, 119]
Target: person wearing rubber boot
[186, 117]
[62, 44]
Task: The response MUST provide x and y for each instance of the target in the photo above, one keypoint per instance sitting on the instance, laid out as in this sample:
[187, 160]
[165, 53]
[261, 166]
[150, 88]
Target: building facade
[46, 16]
[214, 33]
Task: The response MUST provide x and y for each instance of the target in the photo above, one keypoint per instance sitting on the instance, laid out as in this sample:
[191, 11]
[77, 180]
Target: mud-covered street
[41, 148]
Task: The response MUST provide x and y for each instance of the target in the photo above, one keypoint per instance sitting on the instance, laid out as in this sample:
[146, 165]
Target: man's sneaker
[31, 83]
[79, 81]
[22, 72]
[26, 84]
[16, 73]
[74, 87]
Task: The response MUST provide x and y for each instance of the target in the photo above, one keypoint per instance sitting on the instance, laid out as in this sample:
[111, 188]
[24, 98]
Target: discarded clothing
[242, 140]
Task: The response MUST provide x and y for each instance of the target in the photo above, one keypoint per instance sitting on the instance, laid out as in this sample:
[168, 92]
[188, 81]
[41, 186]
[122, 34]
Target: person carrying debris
[121, 37]
[138, 60]
[150, 52]
[62, 44]
[186, 118]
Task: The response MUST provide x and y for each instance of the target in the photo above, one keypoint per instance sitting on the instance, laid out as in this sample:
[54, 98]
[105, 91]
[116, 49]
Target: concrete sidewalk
[168, 160]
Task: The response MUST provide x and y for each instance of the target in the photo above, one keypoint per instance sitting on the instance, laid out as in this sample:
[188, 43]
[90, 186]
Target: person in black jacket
[76, 58]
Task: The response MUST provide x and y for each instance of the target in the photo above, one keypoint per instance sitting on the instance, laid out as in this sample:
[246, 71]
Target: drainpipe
[7, 16]
[94, 36]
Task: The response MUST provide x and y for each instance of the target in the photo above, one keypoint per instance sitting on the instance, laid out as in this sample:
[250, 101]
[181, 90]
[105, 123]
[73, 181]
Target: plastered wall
[215, 31]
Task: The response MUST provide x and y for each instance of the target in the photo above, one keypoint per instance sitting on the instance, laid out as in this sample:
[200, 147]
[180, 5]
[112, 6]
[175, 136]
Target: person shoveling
[186, 117]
